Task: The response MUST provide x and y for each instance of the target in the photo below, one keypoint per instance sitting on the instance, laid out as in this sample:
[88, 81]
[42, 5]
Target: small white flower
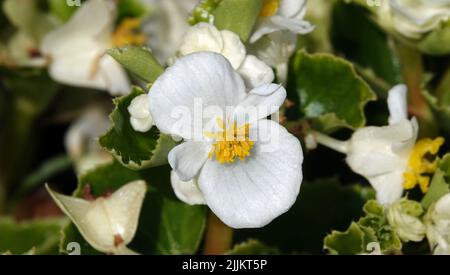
[381, 154]
[140, 118]
[280, 15]
[77, 50]
[81, 140]
[108, 224]
[248, 173]
[437, 221]
[206, 37]
[414, 18]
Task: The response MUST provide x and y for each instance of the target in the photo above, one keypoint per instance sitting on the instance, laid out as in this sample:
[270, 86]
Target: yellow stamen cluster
[418, 165]
[127, 33]
[231, 144]
[270, 8]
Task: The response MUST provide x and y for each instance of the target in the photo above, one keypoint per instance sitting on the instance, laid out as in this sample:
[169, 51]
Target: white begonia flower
[206, 37]
[31, 25]
[437, 221]
[282, 15]
[76, 50]
[404, 217]
[167, 26]
[81, 140]
[108, 224]
[413, 18]
[248, 172]
[381, 154]
[140, 118]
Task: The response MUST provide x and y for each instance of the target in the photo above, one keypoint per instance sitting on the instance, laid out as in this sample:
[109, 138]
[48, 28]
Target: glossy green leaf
[327, 90]
[440, 184]
[253, 247]
[139, 61]
[238, 16]
[166, 225]
[350, 242]
[61, 10]
[131, 9]
[134, 149]
[358, 38]
[440, 108]
[21, 237]
[322, 205]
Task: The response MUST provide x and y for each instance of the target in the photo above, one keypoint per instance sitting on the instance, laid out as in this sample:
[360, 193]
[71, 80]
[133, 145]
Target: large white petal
[115, 77]
[78, 69]
[251, 193]
[372, 150]
[389, 187]
[233, 49]
[187, 191]
[292, 8]
[188, 158]
[92, 21]
[202, 37]
[196, 81]
[255, 72]
[397, 103]
[260, 103]
[104, 219]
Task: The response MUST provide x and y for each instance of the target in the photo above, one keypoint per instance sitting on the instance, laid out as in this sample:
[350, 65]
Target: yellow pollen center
[270, 8]
[127, 33]
[418, 164]
[231, 143]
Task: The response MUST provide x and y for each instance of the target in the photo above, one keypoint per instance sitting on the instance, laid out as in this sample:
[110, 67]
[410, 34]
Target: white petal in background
[108, 224]
[77, 50]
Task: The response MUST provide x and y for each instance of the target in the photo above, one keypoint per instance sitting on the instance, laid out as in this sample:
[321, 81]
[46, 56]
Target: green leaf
[366, 44]
[61, 10]
[327, 90]
[253, 247]
[440, 108]
[372, 228]
[48, 169]
[33, 89]
[238, 16]
[439, 184]
[134, 149]
[350, 242]
[21, 237]
[203, 12]
[322, 205]
[131, 9]
[166, 225]
[139, 61]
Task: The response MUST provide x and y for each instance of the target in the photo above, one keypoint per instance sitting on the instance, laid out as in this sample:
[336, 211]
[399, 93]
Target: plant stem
[337, 145]
[412, 70]
[219, 237]
[15, 146]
